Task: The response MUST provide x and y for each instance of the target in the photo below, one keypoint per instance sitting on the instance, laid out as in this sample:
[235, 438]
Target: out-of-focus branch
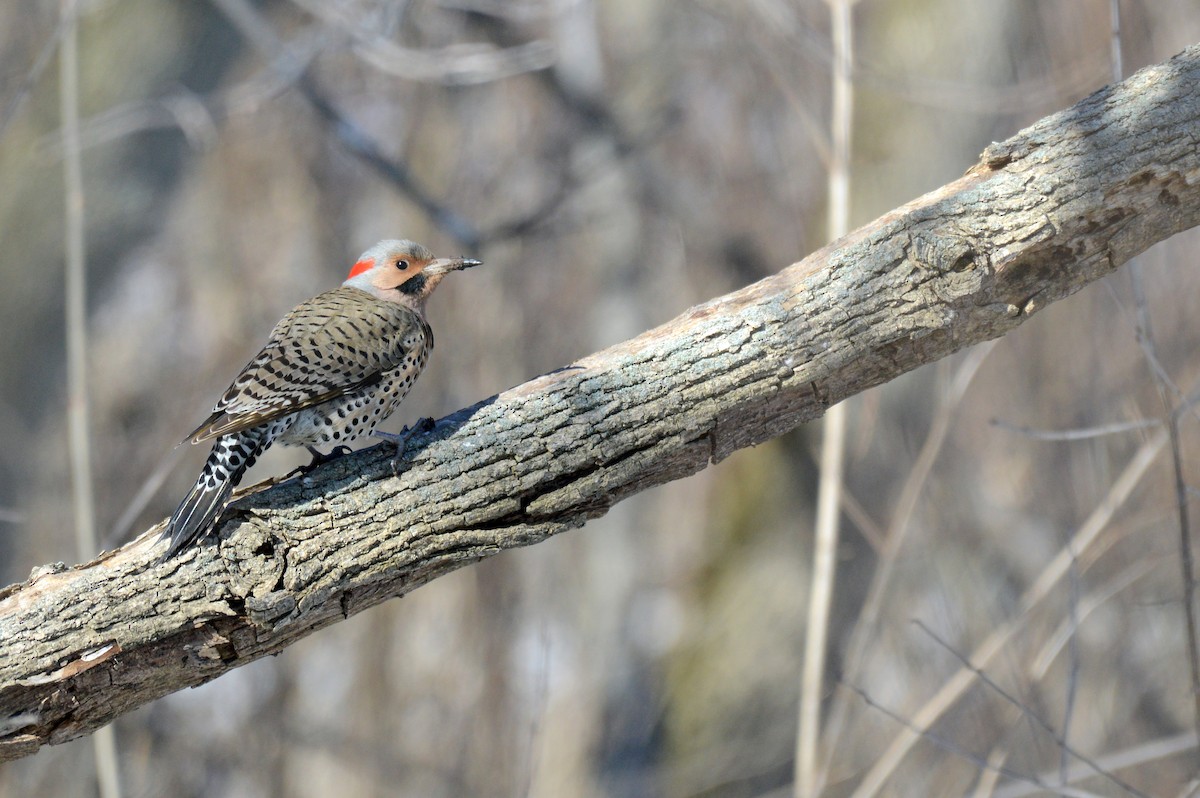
[78, 401]
[1043, 214]
[827, 525]
[595, 117]
[256, 30]
[9, 111]
[288, 68]
[458, 65]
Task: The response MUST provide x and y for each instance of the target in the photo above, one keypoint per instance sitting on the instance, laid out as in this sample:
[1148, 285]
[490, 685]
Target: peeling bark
[1062, 203]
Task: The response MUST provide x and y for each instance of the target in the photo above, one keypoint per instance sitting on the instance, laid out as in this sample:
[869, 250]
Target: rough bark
[1062, 203]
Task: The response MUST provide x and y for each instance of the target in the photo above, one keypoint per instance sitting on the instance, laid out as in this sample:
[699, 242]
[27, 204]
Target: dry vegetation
[672, 152]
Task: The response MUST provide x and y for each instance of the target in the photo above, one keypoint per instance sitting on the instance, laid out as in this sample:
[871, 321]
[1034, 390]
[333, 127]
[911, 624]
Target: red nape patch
[360, 267]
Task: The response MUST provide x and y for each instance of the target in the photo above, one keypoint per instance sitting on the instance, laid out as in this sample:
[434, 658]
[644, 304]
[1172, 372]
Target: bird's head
[402, 271]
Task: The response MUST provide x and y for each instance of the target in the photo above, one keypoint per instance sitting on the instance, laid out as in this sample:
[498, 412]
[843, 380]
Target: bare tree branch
[458, 65]
[291, 66]
[1044, 213]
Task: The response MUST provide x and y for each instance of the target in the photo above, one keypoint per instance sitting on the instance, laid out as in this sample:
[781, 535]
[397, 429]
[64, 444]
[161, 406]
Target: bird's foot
[318, 459]
[401, 438]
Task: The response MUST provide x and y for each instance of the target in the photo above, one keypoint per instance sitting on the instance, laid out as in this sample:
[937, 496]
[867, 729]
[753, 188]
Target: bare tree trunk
[1057, 206]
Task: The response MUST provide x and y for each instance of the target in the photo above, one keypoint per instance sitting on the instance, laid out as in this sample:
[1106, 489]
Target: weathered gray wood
[1058, 205]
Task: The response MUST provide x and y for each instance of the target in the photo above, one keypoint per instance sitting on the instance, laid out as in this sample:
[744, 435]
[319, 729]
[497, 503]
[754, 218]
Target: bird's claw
[401, 438]
[318, 459]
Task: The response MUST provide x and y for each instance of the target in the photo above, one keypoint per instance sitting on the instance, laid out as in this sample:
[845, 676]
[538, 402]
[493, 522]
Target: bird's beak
[447, 265]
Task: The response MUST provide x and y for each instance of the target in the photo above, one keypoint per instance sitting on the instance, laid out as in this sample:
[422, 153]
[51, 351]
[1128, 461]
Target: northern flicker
[334, 367]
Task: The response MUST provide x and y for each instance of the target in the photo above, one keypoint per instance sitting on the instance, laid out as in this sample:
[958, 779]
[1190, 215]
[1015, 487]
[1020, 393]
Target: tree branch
[1044, 213]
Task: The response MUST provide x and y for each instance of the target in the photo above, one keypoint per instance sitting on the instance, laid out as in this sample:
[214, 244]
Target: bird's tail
[231, 455]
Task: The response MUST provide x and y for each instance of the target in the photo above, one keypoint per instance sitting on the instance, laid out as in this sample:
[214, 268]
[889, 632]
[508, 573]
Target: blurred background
[613, 163]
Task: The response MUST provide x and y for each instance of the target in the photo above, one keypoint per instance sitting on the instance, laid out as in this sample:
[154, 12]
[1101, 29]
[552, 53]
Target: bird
[332, 369]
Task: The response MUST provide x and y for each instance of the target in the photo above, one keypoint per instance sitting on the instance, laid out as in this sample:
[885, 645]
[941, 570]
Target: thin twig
[953, 748]
[957, 684]
[985, 785]
[897, 534]
[1114, 16]
[1166, 388]
[104, 744]
[32, 77]
[867, 527]
[1054, 642]
[1029, 714]
[76, 292]
[1076, 77]
[458, 65]
[124, 524]
[597, 118]
[181, 109]
[833, 445]
[1081, 434]
[1135, 321]
[1140, 754]
[353, 138]
[1187, 566]
[1073, 662]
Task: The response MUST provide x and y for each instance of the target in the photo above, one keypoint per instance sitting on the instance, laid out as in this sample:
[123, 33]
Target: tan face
[391, 268]
[402, 270]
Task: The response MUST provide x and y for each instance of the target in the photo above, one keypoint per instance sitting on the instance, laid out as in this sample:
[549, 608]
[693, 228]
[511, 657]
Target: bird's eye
[401, 265]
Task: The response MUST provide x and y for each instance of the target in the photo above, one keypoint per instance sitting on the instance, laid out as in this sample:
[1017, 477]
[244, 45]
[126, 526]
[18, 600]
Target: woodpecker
[334, 367]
